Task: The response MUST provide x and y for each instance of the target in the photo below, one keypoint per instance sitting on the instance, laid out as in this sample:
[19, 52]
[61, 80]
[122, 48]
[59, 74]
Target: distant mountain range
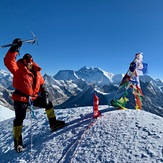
[69, 88]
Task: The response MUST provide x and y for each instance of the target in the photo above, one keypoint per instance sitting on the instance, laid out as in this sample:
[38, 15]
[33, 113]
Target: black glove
[45, 97]
[17, 43]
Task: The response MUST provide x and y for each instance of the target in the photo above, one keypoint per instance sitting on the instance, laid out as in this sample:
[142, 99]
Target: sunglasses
[28, 61]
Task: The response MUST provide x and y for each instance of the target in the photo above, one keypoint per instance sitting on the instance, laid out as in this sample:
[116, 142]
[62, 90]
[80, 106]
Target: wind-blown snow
[117, 136]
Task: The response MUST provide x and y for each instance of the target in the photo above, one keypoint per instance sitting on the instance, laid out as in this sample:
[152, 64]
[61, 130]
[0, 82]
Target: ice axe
[31, 41]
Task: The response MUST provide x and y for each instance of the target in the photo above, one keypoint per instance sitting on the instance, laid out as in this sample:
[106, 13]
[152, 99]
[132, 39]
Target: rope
[116, 92]
[31, 107]
[80, 138]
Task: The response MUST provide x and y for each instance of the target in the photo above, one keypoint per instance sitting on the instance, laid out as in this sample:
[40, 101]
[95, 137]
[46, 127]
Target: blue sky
[92, 33]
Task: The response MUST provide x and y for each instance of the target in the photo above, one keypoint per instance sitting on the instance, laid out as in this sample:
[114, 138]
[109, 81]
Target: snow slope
[118, 136]
[6, 113]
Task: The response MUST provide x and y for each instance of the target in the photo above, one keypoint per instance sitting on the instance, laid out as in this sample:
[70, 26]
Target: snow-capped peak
[94, 75]
[4, 73]
[66, 75]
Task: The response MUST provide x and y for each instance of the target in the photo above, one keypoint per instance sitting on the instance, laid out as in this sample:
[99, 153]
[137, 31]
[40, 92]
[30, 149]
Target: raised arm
[10, 58]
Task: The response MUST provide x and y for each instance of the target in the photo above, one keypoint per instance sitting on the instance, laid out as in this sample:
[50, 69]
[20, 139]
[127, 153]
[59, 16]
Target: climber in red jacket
[29, 87]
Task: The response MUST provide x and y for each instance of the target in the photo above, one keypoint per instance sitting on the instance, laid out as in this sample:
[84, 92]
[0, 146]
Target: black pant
[21, 107]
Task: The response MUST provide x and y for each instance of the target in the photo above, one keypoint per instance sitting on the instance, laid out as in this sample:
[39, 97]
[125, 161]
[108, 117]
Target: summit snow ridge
[117, 136]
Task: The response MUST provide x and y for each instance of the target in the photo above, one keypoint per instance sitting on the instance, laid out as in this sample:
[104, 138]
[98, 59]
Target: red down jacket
[24, 81]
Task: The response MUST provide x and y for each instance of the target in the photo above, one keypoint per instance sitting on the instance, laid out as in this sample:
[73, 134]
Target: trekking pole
[31, 41]
[31, 141]
[32, 116]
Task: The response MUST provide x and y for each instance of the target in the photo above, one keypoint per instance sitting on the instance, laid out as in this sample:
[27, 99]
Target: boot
[50, 113]
[17, 130]
[54, 124]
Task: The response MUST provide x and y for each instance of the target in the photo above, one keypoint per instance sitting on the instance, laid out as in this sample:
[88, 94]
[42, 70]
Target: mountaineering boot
[54, 124]
[17, 130]
[57, 125]
[50, 113]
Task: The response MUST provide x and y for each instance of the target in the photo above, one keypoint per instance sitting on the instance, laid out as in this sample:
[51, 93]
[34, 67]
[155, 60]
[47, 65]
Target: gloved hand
[17, 43]
[45, 97]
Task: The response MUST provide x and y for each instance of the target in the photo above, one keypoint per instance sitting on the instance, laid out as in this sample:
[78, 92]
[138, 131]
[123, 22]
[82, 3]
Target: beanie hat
[27, 58]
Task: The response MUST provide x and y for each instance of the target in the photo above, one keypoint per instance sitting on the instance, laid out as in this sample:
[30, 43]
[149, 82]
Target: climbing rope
[78, 140]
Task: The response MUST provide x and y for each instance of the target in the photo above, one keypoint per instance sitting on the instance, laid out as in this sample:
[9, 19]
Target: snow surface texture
[5, 113]
[118, 136]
